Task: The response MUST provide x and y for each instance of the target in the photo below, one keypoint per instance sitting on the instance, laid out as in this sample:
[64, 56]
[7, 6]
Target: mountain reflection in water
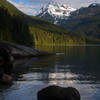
[77, 66]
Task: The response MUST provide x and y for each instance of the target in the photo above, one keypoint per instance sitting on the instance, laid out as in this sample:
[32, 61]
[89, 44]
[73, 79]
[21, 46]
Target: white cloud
[26, 8]
[32, 6]
[72, 3]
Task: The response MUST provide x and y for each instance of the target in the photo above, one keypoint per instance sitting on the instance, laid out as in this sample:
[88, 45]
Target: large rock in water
[58, 93]
[17, 50]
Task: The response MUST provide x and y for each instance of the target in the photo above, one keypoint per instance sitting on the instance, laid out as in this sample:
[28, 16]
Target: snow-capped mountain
[55, 12]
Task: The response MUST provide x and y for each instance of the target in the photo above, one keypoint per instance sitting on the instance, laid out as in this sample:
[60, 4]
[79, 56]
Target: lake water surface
[76, 66]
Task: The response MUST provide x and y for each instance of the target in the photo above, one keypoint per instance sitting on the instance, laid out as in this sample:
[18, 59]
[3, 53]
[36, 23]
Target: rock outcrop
[58, 93]
[18, 51]
[9, 52]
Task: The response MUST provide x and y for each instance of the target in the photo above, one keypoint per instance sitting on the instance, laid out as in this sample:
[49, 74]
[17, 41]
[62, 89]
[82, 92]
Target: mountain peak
[56, 11]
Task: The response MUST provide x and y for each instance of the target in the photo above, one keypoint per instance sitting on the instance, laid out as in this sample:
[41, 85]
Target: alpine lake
[75, 66]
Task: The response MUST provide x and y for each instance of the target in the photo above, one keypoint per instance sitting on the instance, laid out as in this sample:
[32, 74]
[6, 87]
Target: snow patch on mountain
[57, 10]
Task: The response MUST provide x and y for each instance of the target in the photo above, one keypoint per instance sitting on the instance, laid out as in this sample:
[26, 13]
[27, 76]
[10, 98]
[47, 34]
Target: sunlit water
[78, 67]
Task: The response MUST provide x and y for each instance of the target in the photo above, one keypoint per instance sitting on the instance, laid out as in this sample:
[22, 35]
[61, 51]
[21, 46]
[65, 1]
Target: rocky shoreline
[9, 52]
[20, 51]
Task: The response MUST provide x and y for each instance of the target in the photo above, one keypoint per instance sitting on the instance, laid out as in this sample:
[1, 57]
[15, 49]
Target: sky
[32, 7]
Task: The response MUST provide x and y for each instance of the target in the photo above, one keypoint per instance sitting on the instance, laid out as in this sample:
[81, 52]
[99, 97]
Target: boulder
[58, 93]
[19, 51]
[6, 66]
[6, 79]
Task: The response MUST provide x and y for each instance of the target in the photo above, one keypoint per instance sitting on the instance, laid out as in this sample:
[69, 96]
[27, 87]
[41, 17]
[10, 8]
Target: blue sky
[32, 7]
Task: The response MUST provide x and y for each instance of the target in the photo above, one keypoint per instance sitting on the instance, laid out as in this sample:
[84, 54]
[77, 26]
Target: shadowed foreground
[58, 93]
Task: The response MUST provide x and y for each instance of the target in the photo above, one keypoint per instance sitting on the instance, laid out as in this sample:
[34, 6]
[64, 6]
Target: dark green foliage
[13, 28]
[5, 28]
[20, 31]
[17, 27]
[85, 21]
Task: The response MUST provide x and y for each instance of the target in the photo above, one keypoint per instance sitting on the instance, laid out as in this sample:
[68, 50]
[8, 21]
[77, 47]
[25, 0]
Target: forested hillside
[85, 21]
[14, 28]
[17, 27]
